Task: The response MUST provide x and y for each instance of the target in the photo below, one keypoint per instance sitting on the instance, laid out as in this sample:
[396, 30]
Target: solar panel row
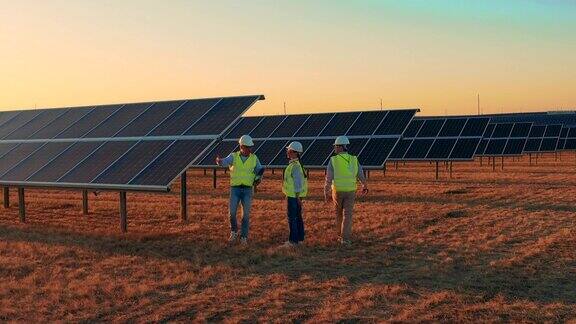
[504, 139]
[373, 135]
[171, 118]
[440, 139]
[367, 123]
[142, 146]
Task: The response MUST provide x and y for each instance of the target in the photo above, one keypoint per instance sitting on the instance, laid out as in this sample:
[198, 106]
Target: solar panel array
[565, 118]
[372, 134]
[137, 146]
[504, 139]
[440, 139]
[568, 141]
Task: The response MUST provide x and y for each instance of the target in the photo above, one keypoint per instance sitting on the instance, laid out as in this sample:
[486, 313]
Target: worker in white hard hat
[342, 173]
[245, 173]
[295, 187]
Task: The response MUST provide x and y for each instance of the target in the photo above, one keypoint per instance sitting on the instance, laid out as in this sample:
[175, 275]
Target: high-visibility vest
[288, 183]
[242, 173]
[345, 172]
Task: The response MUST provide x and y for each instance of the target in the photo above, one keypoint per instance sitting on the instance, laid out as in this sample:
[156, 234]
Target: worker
[342, 173]
[245, 173]
[295, 187]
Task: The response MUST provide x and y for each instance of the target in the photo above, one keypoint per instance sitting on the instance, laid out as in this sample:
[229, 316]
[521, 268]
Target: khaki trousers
[344, 205]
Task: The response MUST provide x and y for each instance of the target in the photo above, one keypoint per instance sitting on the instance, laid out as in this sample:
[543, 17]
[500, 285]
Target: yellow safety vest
[345, 172]
[242, 173]
[288, 184]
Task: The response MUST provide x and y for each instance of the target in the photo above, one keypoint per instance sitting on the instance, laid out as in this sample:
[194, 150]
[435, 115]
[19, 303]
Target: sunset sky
[316, 56]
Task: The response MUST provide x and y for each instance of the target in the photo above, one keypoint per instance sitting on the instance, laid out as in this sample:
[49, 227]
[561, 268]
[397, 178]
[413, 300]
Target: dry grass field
[482, 246]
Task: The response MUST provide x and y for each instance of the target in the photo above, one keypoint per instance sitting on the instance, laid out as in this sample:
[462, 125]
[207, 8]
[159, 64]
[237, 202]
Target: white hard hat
[296, 146]
[246, 140]
[341, 140]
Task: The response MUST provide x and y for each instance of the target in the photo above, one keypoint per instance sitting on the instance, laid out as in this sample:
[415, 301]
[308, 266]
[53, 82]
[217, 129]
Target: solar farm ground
[483, 246]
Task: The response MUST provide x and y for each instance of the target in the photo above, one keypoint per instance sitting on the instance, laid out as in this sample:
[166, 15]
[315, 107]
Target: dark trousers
[295, 222]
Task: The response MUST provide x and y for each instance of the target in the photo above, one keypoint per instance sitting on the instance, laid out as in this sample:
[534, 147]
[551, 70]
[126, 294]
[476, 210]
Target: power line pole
[478, 104]
[381, 106]
[285, 108]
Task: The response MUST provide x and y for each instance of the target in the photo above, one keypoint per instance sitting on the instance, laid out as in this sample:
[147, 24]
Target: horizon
[433, 56]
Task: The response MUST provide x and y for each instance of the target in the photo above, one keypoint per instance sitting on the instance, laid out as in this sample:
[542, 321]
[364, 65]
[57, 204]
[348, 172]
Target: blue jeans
[295, 222]
[240, 195]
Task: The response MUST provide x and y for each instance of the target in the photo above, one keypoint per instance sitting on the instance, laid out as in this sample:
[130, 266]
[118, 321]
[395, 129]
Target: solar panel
[18, 122]
[141, 146]
[553, 130]
[548, 144]
[521, 130]
[495, 147]
[453, 127]
[481, 147]
[376, 151]
[340, 124]
[290, 125]
[269, 150]
[475, 127]
[36, 124]
[395, 122]
[188, 114]
[222, 115]
[431, 128]
[314, 125]
[489, 130]
[367, 123]
[444, 136]
[502, 130]
[537, 131]
[413, 128]
[533, 145]
[419, 149]
[221, 149]
[5, 116]
[149, 119]
[441, 149]
[266, 126]
[514, 146]
[35, 161]
[318, 153]
[464, 149]
[92, 119]
[400, 149]
[244, 126]
[570, 144]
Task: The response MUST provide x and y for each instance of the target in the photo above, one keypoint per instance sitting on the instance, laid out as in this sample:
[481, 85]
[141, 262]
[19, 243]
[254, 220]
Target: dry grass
[482, 246]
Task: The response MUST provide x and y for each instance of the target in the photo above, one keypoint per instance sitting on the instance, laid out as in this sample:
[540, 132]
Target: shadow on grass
[372, 260]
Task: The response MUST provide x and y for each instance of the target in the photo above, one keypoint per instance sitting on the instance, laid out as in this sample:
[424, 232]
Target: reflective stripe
[345, 172]
[242, 173]
[288, 183]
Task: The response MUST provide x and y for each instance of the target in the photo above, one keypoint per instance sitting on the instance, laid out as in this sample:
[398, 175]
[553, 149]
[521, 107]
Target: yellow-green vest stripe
[242, 173]
[345, 172]
[288, 183]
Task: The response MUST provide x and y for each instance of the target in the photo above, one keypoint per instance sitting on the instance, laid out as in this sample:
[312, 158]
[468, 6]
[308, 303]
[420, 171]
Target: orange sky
[316, 56]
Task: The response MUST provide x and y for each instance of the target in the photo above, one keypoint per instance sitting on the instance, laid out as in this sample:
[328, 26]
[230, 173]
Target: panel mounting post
[214, 178]
[21, 205]
[84, 202]
[437, 169]
[183, 198]
[123, 212]
[6, 197]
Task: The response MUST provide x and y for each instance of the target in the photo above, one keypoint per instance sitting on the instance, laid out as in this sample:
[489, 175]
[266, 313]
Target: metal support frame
[21, 205]
[123, 213]
[493, 163]
[450, 169]
[214, 178]
[384, 169]
[502, 167]
[183, 198]
[6, 197]
[84, 202]
[437, 169]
